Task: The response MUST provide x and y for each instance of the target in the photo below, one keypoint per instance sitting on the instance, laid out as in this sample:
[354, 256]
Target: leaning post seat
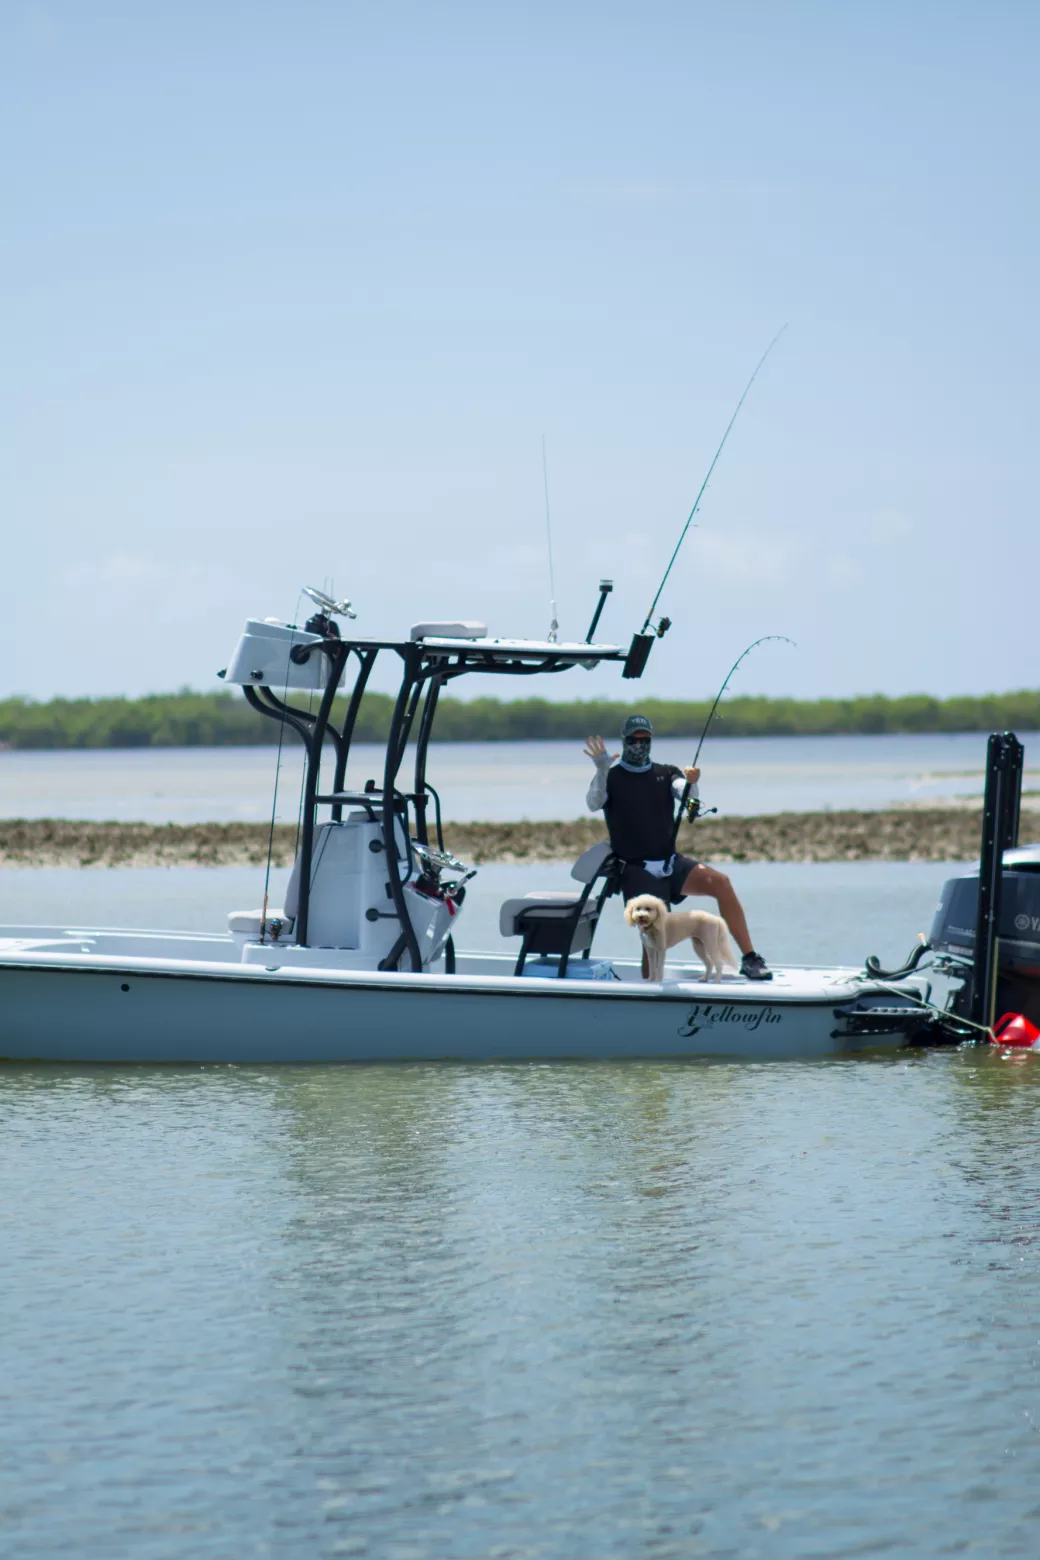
[560, 921]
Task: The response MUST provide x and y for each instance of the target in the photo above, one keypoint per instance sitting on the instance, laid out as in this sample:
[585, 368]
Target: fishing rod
[718, 697]
[707, 479]
[695, 808]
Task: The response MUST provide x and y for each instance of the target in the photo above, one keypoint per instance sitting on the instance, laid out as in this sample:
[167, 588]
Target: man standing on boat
[638, 801]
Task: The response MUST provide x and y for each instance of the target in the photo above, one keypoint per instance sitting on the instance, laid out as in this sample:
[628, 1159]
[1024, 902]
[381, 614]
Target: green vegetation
[222, 719]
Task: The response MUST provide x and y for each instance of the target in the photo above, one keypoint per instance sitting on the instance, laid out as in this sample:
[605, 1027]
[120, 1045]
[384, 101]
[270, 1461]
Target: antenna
[554, 625]
[327, 604]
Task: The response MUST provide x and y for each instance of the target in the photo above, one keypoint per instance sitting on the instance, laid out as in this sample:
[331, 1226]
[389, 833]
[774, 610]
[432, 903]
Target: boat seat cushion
[591, 862]
[247, 922]
[554, 905]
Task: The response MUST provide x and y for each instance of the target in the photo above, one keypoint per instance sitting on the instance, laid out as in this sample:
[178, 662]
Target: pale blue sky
[292, 291]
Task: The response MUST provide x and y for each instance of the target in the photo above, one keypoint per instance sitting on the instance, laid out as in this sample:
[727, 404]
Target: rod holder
[605, 588]
[638, 651]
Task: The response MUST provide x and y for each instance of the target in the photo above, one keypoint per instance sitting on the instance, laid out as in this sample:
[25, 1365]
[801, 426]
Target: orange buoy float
[1014, 1029]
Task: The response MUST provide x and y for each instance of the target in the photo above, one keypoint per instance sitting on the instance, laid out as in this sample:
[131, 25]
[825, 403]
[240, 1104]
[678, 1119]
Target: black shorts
[637, 880]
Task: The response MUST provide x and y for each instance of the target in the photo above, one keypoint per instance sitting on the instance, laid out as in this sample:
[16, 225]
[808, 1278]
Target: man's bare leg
[707, 881]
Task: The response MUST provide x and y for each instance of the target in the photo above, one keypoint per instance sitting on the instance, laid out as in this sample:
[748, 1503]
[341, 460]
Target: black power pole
[1000, 809]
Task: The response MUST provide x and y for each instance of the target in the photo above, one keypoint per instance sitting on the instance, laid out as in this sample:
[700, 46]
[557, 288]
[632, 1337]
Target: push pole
[1000, 814]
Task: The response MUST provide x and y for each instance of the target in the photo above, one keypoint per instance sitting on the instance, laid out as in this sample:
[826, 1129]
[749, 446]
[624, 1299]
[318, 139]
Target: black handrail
[286, 715]
[310, 716]
[367, 659]
[438, 821]
[397, 738]
[421, 746]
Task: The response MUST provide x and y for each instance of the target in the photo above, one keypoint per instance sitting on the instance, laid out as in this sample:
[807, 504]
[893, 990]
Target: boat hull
[103, 1009]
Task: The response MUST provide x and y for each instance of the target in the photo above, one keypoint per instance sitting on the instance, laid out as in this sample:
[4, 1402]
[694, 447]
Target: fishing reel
[693, 810]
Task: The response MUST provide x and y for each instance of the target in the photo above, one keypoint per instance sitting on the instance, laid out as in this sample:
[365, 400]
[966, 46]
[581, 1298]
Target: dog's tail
[726, 949]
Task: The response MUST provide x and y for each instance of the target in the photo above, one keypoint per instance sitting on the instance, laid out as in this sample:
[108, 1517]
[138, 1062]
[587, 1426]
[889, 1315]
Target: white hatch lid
[455, 629]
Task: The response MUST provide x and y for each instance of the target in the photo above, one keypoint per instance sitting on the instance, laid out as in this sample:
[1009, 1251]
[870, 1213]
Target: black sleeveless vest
[640, 812]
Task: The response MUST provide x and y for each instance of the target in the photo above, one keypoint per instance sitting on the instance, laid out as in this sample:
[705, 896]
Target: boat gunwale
[439, 983]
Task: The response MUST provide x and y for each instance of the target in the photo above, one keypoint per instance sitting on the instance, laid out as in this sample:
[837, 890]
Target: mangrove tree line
[188, 719]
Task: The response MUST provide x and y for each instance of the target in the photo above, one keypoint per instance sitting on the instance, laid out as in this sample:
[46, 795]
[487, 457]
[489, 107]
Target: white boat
[360, 964]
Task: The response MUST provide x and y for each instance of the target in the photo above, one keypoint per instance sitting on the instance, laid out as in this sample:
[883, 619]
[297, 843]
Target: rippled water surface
[632, 1311]
[639, 1310]
[503, 780]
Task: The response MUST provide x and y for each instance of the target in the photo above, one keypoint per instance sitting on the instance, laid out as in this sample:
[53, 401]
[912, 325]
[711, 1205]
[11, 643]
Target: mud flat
[898, 834]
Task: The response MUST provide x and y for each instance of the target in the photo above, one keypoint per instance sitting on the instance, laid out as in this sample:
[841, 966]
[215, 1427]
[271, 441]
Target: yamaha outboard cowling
[1018, 956]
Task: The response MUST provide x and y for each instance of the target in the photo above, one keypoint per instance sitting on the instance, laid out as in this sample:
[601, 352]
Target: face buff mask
[635, 750]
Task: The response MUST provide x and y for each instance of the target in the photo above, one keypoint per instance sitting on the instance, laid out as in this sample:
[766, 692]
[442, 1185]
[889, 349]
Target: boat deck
[217, 953]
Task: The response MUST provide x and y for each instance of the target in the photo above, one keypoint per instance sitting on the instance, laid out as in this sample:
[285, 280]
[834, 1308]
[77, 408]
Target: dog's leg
[653, 962]
[702, 953]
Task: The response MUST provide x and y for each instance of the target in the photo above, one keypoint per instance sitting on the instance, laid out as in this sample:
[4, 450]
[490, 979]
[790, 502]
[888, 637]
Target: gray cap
[636, 723]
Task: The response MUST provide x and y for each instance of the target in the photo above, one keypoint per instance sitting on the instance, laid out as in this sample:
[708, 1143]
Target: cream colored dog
[660, 929]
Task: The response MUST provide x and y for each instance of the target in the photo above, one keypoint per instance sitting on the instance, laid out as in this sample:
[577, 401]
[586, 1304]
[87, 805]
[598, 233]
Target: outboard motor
[1018, 934]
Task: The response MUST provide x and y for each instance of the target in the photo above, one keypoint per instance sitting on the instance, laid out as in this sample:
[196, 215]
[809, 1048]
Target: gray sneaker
[754, 967]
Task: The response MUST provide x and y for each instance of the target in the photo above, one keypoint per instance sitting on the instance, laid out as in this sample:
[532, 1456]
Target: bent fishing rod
[694, 809]
[718, 697]
[689, 518]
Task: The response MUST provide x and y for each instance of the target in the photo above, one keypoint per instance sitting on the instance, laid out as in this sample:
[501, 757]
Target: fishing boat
[361, 964]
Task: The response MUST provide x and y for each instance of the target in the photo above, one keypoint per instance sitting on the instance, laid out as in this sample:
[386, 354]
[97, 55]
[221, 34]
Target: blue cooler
[577, 969]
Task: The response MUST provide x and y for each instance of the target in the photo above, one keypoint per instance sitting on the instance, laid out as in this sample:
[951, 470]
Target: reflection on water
[639, 1310]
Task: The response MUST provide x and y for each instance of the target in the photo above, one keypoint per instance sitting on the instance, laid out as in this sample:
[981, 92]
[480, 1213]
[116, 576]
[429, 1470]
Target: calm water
[502, 780]
[832, 913]
[784, 1310]
[635, 1311]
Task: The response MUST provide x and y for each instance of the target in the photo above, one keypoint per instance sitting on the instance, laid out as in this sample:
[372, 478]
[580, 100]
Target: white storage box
[262, 658]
